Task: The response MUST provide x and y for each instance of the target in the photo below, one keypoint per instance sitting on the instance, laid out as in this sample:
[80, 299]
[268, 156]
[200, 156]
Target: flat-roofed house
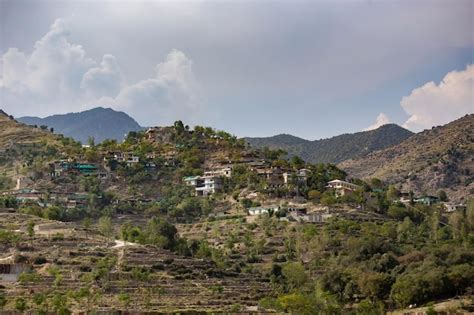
[204, 185]
[342, 187]
[263, 210]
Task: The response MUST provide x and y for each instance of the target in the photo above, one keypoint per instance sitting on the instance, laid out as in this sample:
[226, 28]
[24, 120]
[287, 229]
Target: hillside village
[182, 209]
[287, 184]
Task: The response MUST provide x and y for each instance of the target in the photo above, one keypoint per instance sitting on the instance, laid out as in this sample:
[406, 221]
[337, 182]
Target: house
[317, 217]
[225, 172]
[211, 185]
[273, 175]
[59, 167]
[25, 195]
[263, 210]
[131, 159]
[405, 198]
[341, 187]
[204, 185]
[85, 168]
[299, 177]
[451, 207]
[295, 213]
[427, 200]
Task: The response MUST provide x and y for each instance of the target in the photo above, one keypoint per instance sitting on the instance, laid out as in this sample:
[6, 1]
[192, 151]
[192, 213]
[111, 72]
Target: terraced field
[80, 270]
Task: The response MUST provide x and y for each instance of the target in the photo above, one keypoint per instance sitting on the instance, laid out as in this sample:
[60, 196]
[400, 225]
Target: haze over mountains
[335, 149]
[99, 123]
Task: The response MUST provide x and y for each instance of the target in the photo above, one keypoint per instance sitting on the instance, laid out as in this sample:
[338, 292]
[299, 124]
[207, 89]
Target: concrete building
[341, 187]
[263, 210]
[204, 185]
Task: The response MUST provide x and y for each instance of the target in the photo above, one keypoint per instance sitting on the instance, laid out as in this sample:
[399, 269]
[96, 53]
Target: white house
[298, 177]
[204, 185]
[342, 187]
[211, 185]
[451, 207]
[263, 210]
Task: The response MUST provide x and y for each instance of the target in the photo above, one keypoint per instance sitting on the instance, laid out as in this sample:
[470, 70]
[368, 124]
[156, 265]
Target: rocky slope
[440, 158]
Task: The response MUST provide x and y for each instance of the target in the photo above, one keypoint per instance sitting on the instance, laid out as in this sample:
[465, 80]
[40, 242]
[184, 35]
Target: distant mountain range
[441, 158]
[335, 149]
[99, 123]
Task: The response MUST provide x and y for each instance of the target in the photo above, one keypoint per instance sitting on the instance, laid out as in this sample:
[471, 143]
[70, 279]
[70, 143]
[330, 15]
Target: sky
[313, 69]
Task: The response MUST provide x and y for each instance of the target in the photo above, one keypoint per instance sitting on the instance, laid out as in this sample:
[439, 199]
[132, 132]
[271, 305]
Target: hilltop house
[342, 188]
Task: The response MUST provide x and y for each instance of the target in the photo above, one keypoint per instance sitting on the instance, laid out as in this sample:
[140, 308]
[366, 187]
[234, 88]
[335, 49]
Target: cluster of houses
[428, 200]
[44, 199]
[291, 213]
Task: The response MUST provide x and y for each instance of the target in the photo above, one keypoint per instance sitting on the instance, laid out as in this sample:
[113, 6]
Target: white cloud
[433, 104]
[172, 94]
[58, 77]
[381, 120]
[105, 79]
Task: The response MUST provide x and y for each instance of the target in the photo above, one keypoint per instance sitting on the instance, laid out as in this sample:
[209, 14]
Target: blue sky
[255, 68]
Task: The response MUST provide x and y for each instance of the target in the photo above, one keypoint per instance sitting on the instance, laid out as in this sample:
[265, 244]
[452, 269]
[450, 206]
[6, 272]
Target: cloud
[433, 104]
[172, 94]
[105, 79]
[59, 77]
[381, 120]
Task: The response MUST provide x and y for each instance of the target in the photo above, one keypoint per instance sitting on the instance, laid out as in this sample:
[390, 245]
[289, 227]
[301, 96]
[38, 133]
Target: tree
[31, 228]
[392, 193]
[20, 304]
[295, 275]
[105, 226]
[442, 195]
[3, 300]
[314, 194]
[374, 285]
[297, 162]
[91, 141]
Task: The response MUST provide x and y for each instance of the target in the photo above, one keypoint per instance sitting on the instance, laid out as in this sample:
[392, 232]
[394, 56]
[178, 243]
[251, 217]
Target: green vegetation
[375, 254]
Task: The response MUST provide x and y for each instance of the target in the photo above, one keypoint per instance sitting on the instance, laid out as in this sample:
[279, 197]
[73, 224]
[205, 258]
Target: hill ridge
[99, 122]
[335, 149]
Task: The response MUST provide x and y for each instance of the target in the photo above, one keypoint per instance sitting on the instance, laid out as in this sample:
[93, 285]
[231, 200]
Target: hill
[21, 145]
[335, 149]
[167, 222]
[439, 158]
[99, 123]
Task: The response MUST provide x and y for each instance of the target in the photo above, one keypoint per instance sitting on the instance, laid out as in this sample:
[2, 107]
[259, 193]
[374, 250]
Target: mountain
[100, 123]
[437, 159]
[335, 149]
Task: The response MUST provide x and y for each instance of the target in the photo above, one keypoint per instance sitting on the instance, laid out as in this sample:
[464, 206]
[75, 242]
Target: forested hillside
[98, 123]
[335, 149]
